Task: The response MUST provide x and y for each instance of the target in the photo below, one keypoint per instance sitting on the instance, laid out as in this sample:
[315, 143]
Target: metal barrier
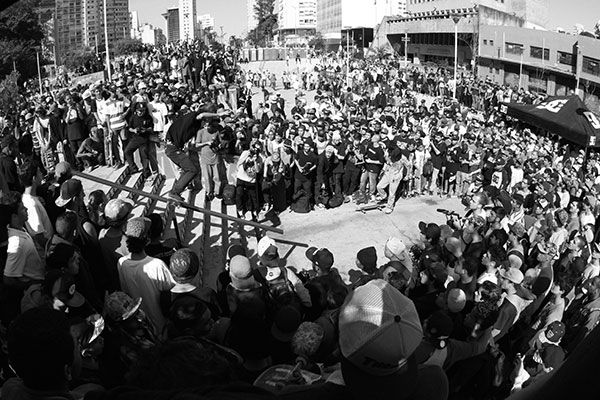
[156, 197]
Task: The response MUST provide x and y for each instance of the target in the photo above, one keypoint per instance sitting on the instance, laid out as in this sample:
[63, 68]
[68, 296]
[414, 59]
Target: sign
[553, 106]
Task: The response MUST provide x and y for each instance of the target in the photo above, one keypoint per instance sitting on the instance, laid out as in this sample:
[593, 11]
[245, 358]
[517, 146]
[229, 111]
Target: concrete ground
[343, 230]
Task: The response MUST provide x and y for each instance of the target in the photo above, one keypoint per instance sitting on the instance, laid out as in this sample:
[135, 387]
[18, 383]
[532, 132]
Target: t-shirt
[22, 258]
[159, 112]
[89, 145]
[37, 217]
[183, 129]
[146, 278]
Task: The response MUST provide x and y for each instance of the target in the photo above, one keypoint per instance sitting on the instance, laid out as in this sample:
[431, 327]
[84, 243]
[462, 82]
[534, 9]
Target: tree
[264, 10]
[317, 41]
[9, 91]
[20, 38]
[80, 58]
[128, 46]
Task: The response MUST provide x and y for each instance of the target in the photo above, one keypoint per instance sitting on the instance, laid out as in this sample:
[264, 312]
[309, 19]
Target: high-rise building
[187, 20]
[68, 28]
[135, 25]
[172, 24]
[296, 20]
[117, 17]
[206, 20]
[151, 35]
[252, 21]
[335, 15]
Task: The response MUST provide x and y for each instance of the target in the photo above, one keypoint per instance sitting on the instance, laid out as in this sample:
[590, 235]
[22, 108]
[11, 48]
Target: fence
[272, 53]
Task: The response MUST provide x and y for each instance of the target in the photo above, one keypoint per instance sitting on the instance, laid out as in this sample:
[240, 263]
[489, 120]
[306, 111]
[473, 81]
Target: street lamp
[456, 18]
[347, 28]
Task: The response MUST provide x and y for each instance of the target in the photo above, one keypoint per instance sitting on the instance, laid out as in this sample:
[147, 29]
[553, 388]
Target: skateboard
[368, 207]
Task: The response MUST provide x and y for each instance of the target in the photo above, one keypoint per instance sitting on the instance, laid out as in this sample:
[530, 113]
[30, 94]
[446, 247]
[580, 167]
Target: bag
[361, 197]
[280, 288]
[336, 201]
[428, 169]
[229, 195]
[301, 205]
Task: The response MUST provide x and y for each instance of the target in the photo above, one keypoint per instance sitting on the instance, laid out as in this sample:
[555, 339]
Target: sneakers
[379, 198]
[321, 206]
[387, 210]
[175, 196]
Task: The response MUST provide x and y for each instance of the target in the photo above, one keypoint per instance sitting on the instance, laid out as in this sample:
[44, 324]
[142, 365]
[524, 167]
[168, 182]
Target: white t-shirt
[159, 112]
[22, 258]
[37, 217]
[146, 278]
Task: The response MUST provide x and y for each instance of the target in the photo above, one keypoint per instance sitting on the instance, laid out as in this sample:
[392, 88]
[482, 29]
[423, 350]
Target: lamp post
[521, 67]
[106, 44]
[456, 18]
[347, 57]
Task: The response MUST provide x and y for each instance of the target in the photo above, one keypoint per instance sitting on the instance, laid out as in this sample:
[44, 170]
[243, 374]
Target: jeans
[393, 183]
[372, 178]
[246, 197]
[188, 162]
[211, 178]
[135, 143]
[351, 180]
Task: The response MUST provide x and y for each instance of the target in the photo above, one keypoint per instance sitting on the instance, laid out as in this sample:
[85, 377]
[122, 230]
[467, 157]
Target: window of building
[491, 42]
[537, 52]
[485, 42]
[590, 66]
[564, 58]
[514, 48]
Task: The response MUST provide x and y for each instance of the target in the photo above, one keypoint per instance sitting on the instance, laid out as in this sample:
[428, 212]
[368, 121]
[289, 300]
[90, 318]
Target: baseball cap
[267, 248]
[457, 299]
[240, 272]
[321, 257]
[117, 209]
[555, 331]
[64, 289]
[512, 274]
[138, 227]
[431, 231]
[235, 250]
[68, 190]
[396, 247]
[552, 356]
[118, 306]
[379, 329]
[517, 228]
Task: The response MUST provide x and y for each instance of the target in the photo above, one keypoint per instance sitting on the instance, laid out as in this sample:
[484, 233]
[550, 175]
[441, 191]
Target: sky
[231, 14]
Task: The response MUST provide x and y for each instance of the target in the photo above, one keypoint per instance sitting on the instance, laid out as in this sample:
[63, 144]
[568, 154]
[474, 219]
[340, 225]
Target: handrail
[183, 204]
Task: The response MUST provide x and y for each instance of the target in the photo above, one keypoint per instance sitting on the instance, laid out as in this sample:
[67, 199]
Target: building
[296, 20]
[252, 21]
[68, 28]
[333, 16]
[187, 20]
[117, 17]
[172, 24]
[206, 20]
[151, 35]
[135, 25]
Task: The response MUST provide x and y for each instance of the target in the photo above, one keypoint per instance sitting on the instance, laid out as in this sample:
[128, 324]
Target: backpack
[335, 201]
[279, 289]
[301, 205]
[428, 168]
[229, 195]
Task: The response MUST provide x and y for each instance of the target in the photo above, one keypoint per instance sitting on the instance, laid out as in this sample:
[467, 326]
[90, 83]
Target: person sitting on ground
[91, 151]
[366, 261]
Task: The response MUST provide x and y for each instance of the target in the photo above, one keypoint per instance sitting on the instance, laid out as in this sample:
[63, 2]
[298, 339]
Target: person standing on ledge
[182, 131]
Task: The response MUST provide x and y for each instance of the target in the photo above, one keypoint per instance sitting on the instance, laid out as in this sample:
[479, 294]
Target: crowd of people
[95, 304]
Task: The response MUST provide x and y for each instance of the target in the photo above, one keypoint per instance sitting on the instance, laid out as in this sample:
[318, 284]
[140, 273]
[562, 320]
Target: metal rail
[182, 204]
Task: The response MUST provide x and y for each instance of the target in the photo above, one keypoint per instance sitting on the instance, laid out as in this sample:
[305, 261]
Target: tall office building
[296, 20]
[172, 24]
[92, 17]
[187, 20]
[335, 15]
[135, 25]
[252, 21]
[68, 28]
[206, 20]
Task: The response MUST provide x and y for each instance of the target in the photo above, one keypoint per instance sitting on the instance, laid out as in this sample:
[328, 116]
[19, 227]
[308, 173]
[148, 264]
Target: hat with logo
[379, 329]
[512, 274]
[119, 306]
[65, 291]
[368, 258]
[555, 331]
[68, 191]
[322, 257]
